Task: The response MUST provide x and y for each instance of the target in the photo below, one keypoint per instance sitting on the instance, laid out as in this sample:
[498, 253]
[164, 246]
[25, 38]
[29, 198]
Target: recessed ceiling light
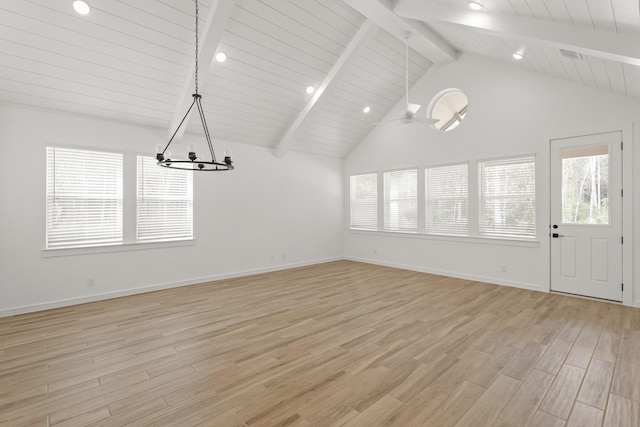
[475, 5]
[81, 7]
[366, 109]
[221, 56]
[517, 55]
[310, 89]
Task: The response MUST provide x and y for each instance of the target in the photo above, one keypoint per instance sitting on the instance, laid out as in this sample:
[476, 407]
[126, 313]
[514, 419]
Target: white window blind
[400, 200]
[507, 197]
[446, 200]
[364, 201]
[165, 202]
[84, 198]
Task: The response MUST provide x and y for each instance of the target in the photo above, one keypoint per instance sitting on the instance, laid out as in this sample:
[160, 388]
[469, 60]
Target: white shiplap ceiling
[133, 61]
[604, 33]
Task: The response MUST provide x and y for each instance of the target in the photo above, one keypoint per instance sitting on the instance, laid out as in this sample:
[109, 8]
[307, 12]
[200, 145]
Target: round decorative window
[449, 107]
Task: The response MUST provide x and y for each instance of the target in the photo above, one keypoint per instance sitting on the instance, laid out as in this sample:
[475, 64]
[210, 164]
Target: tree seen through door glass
[585, 185]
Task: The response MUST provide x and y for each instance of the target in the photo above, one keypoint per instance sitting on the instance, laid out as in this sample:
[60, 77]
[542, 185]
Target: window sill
[528, 243]
[138, 246]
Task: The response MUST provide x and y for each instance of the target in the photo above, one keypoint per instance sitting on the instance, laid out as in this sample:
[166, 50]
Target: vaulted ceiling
[133, 60]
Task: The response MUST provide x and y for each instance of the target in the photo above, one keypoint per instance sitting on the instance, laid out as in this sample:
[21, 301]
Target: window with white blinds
[446, 200]
[364, 201]
[84, 198]
[165, 202]
[507, 197]
[400, 200]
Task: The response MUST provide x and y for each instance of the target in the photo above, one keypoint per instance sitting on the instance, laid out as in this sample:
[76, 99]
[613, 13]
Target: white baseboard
[109, 295]
[457, 275]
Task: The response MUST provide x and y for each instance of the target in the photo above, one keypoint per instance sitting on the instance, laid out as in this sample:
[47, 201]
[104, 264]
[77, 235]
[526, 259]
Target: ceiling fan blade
[388, 121]
[412, 109]
[426, 120]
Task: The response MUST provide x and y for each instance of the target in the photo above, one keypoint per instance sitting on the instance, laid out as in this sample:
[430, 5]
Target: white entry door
[586, 215]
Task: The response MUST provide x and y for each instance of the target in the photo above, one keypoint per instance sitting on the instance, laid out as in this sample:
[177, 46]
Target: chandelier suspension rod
[197, 43]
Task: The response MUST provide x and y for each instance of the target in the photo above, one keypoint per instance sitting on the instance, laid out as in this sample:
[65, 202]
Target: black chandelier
[193, 162]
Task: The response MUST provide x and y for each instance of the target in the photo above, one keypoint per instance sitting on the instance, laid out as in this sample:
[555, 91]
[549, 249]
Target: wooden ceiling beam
[348, 56]
[423, 40]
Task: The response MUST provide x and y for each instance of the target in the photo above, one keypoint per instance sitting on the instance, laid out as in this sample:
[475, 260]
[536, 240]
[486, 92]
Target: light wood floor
[335, 344]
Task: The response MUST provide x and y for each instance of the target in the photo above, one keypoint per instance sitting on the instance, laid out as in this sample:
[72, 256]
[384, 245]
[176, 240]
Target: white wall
[295, 206]
[267, 214]
[511, 112]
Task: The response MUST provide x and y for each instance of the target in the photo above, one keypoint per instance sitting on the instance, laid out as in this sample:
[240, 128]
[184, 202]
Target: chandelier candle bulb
[227, 156]
[191, 148]
[159, 152]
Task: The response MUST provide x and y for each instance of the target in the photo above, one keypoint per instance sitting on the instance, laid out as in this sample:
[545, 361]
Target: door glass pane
[585, 184]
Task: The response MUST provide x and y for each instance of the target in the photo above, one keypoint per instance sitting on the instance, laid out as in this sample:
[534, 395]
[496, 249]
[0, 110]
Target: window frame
[375, 204]
[473, 206]
[129, 209]
[120, 201]
[446, 231]
[482, 229]
[386, 203]
[189, 199]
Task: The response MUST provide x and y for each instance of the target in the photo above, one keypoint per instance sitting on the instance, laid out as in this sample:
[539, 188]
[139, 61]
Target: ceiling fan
[410, 113]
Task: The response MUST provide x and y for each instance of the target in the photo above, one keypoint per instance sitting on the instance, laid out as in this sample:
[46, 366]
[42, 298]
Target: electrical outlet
[91, 281]
[504, 268]
[375, 252]
[284, 256]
